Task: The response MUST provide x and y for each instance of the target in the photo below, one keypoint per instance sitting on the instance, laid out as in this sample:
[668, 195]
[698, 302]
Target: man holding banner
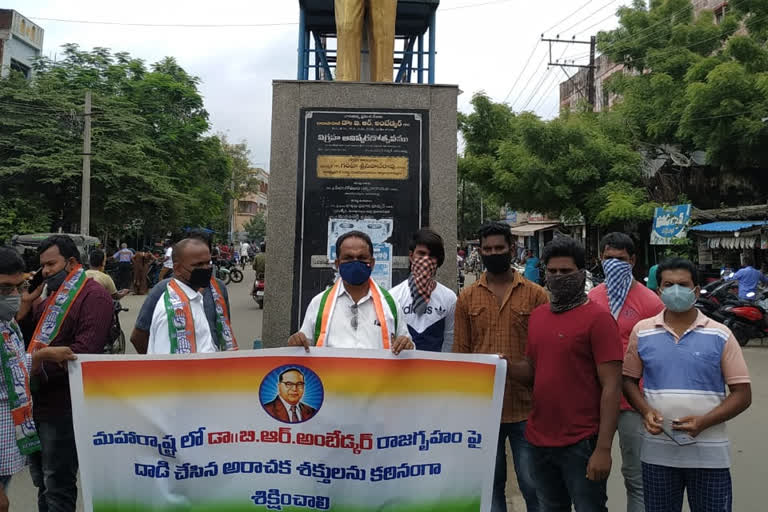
[179, 324]
[355, 312]
[77, 314]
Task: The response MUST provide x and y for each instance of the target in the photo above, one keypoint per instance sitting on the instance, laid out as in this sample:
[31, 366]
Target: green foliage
[256, 227]
[574, 166]
[152, 159]
[698, 85]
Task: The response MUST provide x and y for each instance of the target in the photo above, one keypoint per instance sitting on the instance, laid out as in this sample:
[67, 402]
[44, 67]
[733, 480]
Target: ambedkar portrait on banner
[291, 394]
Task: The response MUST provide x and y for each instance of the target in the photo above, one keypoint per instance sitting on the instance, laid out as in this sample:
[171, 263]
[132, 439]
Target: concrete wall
[287, 100]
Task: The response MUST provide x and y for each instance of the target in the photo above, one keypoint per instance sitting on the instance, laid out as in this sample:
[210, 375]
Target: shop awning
[728, 226]
[530, 229]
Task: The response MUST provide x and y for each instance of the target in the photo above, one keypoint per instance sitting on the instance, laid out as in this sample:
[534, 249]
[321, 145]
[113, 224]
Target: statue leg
[382, 15]
[349, 37]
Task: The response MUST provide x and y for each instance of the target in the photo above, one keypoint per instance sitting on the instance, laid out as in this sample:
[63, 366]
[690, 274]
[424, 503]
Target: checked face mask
[422, 282]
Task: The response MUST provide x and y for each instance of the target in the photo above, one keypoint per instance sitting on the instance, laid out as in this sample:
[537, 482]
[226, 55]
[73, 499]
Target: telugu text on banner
[278, 429]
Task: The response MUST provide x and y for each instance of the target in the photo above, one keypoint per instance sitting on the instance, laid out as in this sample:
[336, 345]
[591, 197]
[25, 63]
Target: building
[246, 208]
[21, 42]
[575, 90]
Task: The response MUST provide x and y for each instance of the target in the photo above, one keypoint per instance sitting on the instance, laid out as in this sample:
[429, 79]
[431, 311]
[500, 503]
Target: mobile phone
[37, 280]
[678, 436]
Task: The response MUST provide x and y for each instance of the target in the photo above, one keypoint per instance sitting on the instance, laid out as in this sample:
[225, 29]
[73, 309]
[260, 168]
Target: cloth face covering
[678, 298]
[618, 281]
[355, 272]
[422, 283]
[567, 291]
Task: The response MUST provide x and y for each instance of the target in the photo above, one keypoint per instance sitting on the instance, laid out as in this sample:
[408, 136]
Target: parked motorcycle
[746, 318]
[228, 271]
[116, 344]
[257, 292]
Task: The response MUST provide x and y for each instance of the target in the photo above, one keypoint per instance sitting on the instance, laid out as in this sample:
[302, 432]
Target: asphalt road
[747, 432]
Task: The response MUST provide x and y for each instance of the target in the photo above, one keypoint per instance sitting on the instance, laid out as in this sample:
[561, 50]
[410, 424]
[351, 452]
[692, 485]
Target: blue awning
[729, 226]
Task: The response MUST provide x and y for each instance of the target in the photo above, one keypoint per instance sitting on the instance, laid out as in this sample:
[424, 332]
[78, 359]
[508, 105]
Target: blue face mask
[355, 272]
[678, 298]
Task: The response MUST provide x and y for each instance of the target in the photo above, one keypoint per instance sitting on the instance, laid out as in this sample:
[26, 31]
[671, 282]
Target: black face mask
[200, 277]
[55, 281]
[497, 263]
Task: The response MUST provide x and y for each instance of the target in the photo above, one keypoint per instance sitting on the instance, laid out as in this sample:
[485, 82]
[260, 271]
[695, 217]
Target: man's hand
[58, 355]
[4, 505]
[402, 343]
[599, 466]
[691, 425]
[299, 340]
[653, 421]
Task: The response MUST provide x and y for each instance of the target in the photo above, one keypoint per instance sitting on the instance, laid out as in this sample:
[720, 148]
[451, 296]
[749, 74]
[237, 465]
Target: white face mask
[9, 306]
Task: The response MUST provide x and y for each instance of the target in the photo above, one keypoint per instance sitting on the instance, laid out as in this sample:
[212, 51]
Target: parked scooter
[746, 318]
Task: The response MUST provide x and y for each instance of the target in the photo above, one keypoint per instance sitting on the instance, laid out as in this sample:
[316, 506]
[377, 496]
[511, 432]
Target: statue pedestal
[378, 157]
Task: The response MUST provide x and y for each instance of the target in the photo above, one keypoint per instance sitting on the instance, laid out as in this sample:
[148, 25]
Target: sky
[482, 45]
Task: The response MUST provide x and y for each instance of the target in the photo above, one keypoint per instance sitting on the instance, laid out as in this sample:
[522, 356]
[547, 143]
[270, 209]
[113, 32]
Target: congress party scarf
[16, 378]
[328, 304]
[181, 325]
[618, 281]
[57, 309]
[422, 283]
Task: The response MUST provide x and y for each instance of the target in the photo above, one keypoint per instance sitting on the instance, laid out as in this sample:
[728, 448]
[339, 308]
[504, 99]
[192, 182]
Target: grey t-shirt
[144, 320]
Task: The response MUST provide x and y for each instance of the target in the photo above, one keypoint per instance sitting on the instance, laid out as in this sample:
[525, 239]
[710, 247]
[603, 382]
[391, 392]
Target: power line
[589, 16]
[538, 87]
[547, 92]
[523, 71]
[542, 64]
[550, 29]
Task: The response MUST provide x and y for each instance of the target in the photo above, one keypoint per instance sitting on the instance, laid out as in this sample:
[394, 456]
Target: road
[246, 322]
[746, 432]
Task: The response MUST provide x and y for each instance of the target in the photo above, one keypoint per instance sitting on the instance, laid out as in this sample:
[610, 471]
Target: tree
[697, 84]
[578, 166]
[256, 227]
[152, 159]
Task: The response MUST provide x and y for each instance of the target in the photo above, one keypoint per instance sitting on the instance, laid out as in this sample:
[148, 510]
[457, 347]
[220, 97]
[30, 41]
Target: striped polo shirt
[685, 376]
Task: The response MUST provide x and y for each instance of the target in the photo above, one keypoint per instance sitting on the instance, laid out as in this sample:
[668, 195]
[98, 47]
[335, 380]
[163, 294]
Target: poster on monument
[365, 170]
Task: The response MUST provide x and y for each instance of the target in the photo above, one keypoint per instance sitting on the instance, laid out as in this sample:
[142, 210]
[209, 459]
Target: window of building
[248, 207]
[21, 68]
[720, 12]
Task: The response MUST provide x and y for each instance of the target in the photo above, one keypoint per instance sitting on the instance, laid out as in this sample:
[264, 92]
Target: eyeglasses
[8, 290]
[353, 320]
[293, 385]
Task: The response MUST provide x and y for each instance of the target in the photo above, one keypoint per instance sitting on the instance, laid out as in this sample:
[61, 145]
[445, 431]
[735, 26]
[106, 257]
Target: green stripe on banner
[466, 505]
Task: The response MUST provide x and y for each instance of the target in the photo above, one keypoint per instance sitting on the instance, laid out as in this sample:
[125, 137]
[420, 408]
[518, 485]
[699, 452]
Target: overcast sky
[482, 45]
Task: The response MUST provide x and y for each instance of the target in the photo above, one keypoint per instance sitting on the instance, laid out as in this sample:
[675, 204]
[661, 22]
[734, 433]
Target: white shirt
[288, 409]
[160, 339]
[434, 329]
[244, 249]
[341, 334]
[168, 263]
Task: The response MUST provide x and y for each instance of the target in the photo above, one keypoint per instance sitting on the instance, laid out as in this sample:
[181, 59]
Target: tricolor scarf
[422, 283]
[181, 325]
[618, 281]
[16, 378]
[57, 309]
[328, 304]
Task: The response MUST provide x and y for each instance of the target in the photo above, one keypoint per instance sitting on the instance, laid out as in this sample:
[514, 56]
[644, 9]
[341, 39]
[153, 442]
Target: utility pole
[589, 67]
[85, 199]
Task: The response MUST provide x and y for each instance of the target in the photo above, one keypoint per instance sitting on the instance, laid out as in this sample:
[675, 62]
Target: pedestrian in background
[98, 261]
[428, 306]
[629, 302]
[686, 361]
[167, 261]
[141, 261]
[492, 318]
[573, 361]
[123, 258]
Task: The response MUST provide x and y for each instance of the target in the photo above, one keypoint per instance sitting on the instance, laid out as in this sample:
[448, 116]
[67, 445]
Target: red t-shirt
[641, 303]
[565, 350]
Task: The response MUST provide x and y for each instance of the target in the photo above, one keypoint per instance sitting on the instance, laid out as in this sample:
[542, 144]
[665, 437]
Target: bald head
[184, 247]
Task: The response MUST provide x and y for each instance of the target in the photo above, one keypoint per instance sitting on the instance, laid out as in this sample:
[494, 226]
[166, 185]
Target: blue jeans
[54, 468]
[631, 440]
[522, 457]
[708, 489]
[561, 479]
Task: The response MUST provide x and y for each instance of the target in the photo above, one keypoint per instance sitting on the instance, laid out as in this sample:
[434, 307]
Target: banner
[669, 224]
[279, 429]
